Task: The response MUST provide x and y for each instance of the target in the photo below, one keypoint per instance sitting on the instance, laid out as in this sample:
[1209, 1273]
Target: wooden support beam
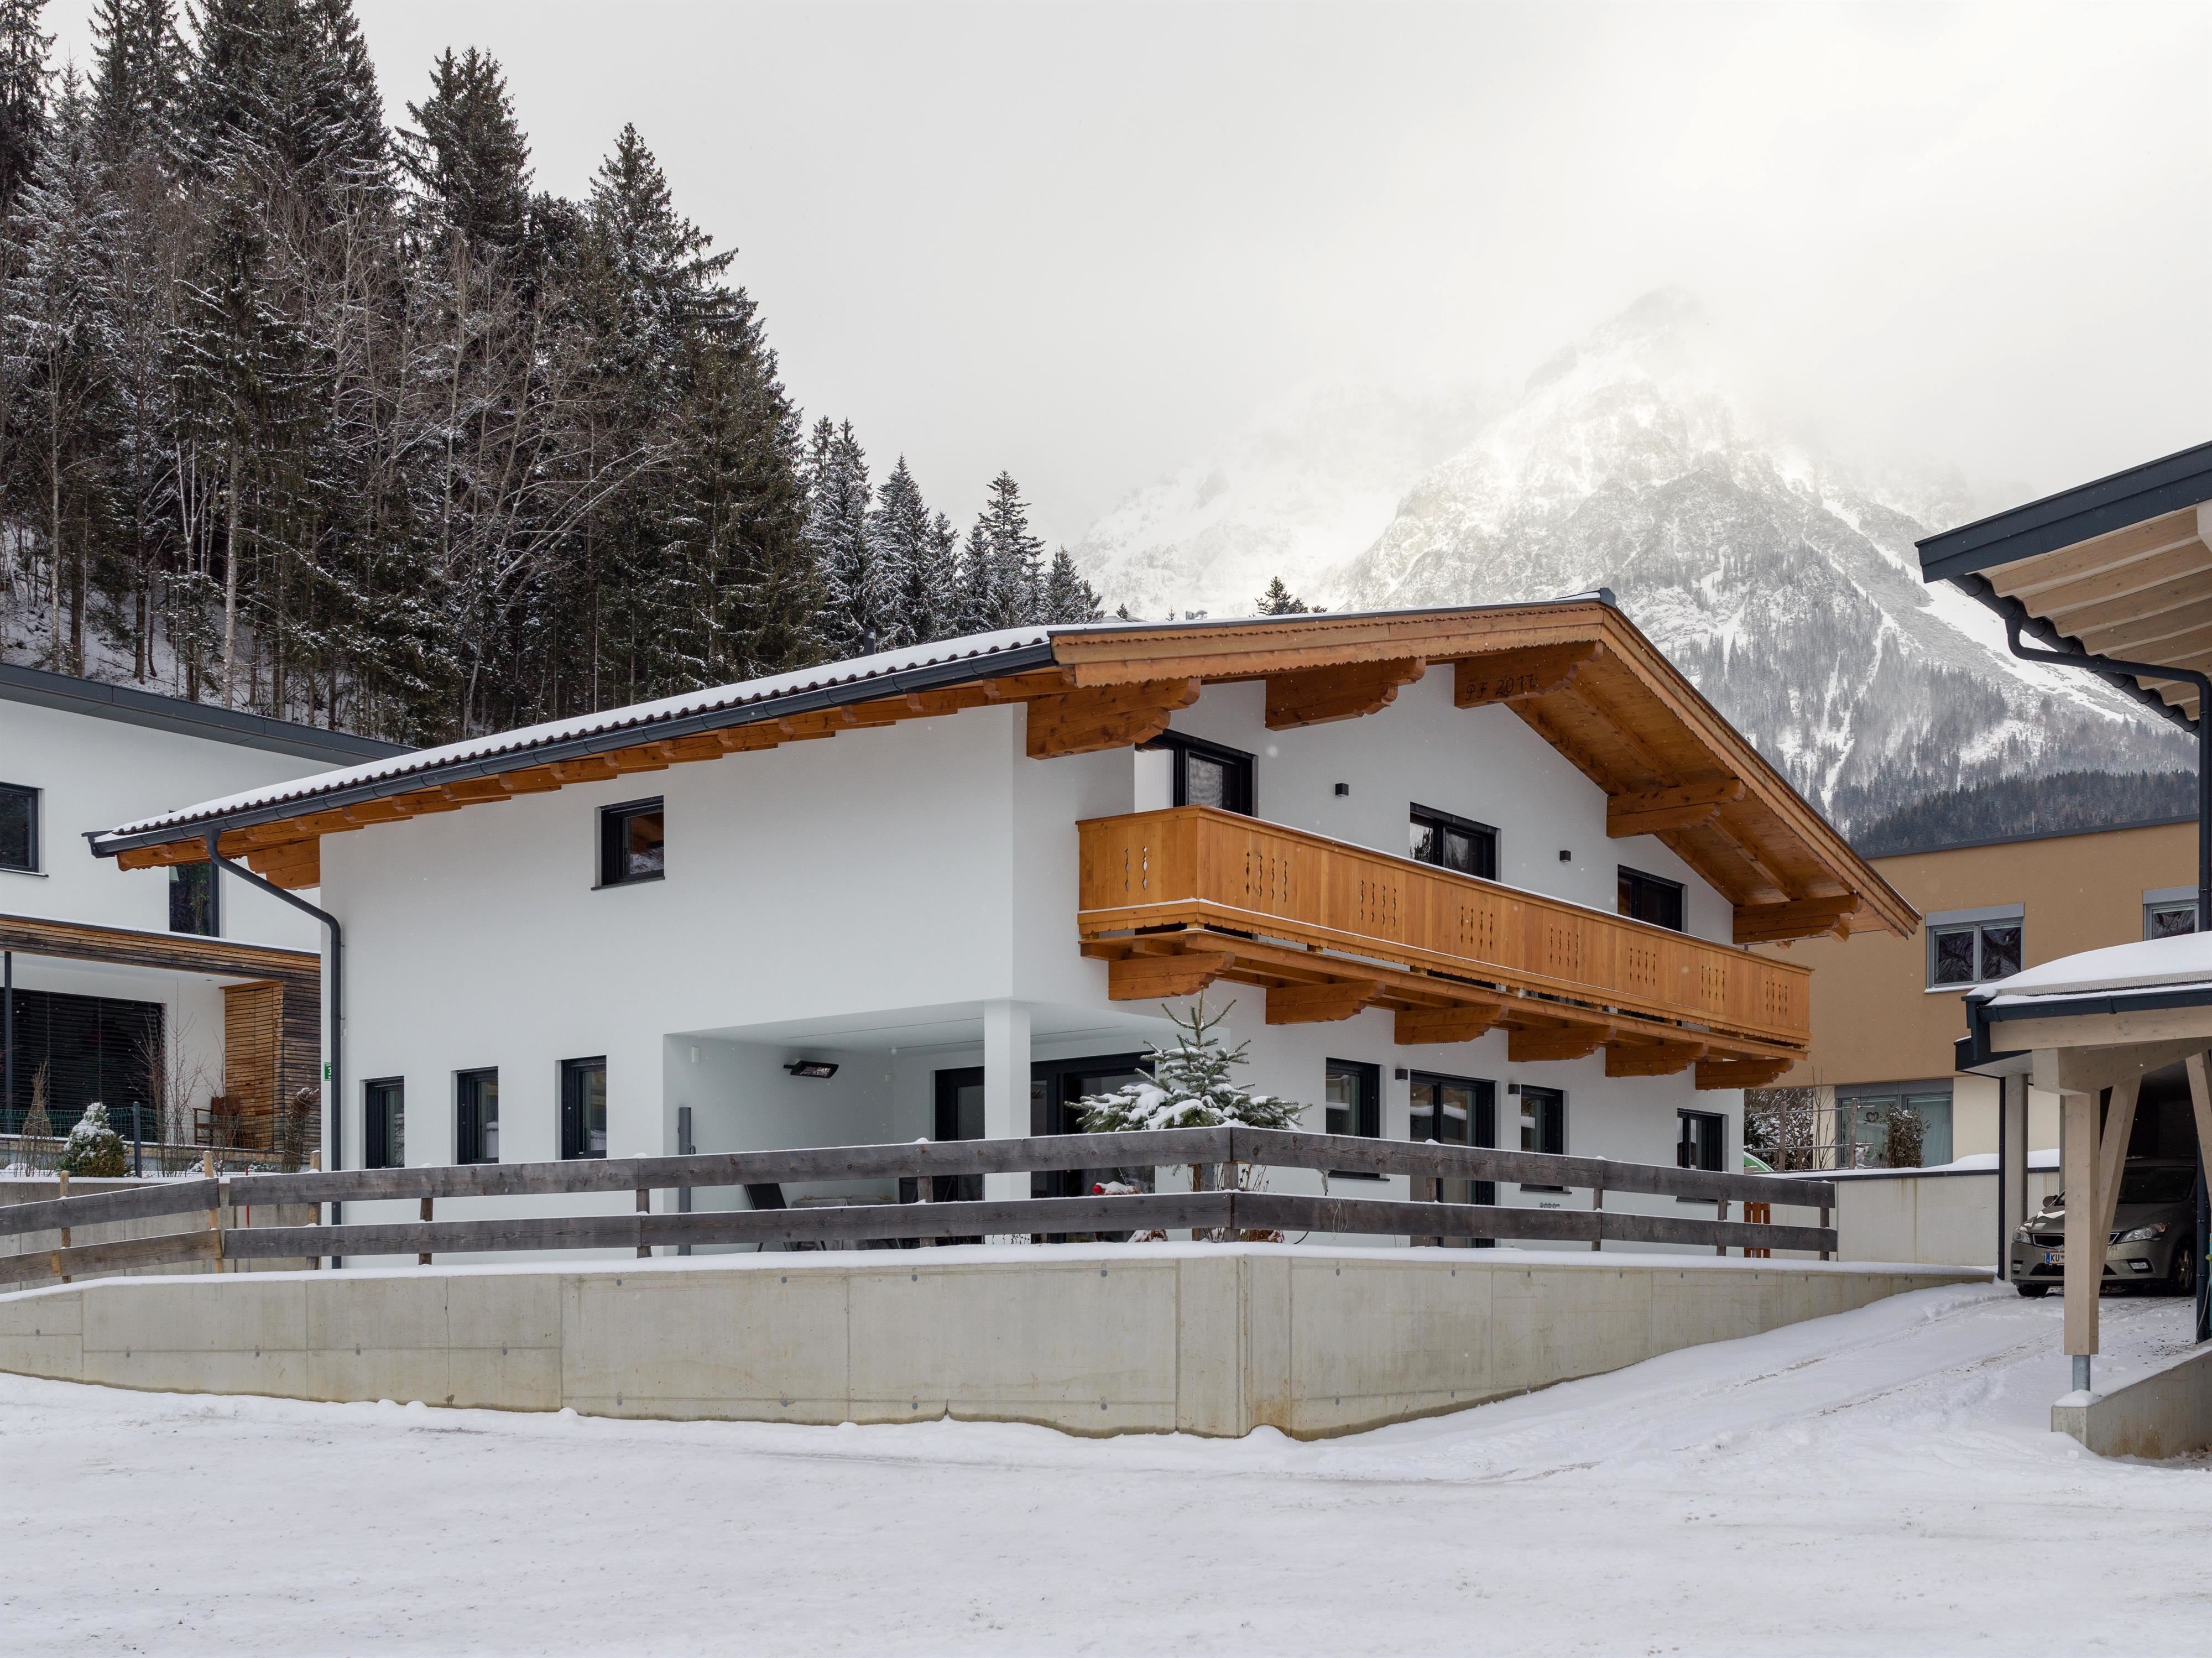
[475, 791]
[1108, 717]
[2085, 1242]
[1321, 1004]
[1798, 918]
[1463, 1023]
[1149, 978]
[1654, 811]
[1511, 675]
[591, 768]
[1740, 1073]
[1573, 1042]
[1651, 1059]
[1313, 696]
[2112, 1156]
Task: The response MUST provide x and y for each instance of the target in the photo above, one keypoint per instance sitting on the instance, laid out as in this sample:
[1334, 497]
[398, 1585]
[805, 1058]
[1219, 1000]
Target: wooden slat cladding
[252, 1039]
[1196, 867]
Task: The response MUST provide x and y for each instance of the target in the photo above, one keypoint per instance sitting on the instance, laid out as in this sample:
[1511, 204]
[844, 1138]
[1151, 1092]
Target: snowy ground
[1883, 1482]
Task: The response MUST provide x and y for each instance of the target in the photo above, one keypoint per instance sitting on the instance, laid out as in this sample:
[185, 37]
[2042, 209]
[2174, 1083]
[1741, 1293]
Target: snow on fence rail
[1224, 1208]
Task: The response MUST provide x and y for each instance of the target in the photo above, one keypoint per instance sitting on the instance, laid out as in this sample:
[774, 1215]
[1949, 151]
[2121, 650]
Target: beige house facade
[1886, 1011]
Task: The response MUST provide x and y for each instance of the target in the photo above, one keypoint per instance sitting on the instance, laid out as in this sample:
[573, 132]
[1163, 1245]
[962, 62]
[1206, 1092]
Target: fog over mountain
[1782, 581]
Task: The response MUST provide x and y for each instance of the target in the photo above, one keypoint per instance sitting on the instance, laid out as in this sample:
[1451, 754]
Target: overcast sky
[1083, 242]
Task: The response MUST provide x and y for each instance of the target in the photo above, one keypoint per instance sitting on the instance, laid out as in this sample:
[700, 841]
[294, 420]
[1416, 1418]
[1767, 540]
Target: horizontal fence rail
[1225, 1210]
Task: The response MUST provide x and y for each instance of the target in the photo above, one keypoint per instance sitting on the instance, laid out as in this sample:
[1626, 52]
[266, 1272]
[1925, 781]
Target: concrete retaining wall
[1095, 1340]
[2167, 1414]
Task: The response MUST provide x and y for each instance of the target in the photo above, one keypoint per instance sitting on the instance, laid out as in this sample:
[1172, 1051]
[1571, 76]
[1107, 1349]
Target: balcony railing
[1194, 867]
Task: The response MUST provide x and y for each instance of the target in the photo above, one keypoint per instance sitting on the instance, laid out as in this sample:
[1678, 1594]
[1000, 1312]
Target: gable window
[384, 1124]
[583, 1109]
[1652, 898]
[1208, 774]
[191, 899]
[630, 844]
[1456, 843]
[19, 827]
[1704, 1141]
[2169, 912]
[1973, 946]
[476, 1116]
[1543, 1125]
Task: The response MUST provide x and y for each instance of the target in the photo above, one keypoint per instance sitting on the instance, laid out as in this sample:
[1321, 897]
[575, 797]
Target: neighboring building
[1890, 1010]
[1507, 903]
[130, 989]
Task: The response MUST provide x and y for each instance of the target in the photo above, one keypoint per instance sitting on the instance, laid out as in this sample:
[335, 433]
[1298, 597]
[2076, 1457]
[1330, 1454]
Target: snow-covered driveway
[1882, 1482]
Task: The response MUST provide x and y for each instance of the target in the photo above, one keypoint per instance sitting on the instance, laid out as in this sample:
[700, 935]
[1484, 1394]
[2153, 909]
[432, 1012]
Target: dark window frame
[1485, 835]
[1638, 882]
[1242, 765]
[375, 1124]
[34, 816]
[1481, 1130]
[468, 1114]
[614, 822]
[1686, 1144]
[202, 921]
[1370, 1108]
[1558, 1096]
[1977, 927]
[574, 1133]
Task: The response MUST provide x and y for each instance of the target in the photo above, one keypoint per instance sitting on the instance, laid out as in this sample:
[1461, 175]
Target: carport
[2113, 578]
[2093, 1028]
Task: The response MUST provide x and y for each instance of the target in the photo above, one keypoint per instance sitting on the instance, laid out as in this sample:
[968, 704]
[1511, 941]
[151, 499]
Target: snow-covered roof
[986, 651]
[2151, 964]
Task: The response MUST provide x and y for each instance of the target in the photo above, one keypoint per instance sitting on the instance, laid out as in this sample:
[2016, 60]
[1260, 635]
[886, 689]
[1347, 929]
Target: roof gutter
[931, 676]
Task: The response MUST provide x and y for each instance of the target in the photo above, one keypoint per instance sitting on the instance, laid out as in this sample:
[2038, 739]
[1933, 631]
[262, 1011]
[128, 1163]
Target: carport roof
[2118, 568]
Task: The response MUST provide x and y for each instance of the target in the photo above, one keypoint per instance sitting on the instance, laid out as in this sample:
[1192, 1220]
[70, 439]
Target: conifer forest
[338, 418]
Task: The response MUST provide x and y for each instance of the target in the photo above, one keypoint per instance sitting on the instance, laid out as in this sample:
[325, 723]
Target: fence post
[1825, 1254]
[137, 1140]
[215, 1209]
[1720, 1213]
[1597, 1208]
[645, 1207]
[423, 1258]
[61, 1176]
[314, 1166]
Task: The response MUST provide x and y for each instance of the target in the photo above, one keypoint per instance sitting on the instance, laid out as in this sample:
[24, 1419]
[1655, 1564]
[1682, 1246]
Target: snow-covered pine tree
[976, 608]
[92, 1148]
[24, 80]
[467, 156]
[1068, 596]
[855, 597]
[1016, 557]
[903, 543]
[1280, 600]
[140, 66]
[60, 344]
[1193, 1086]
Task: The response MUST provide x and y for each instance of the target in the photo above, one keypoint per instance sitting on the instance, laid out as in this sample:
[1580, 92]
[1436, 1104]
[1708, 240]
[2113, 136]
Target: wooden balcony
[1174, 900]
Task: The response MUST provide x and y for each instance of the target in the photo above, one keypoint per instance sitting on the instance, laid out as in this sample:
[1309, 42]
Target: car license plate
[2054, 1257]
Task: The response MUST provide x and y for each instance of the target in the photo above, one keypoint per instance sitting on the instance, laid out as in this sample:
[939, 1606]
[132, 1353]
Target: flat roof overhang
[2116, 570]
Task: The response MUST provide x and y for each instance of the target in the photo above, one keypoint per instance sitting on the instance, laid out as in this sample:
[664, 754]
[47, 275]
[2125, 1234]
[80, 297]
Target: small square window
[1455, 843]
[1652, 898]
[384, 1124]
[19, 827]
[1353, 1093]
[191, 899]
[1208, 774]
[476, 1116]
[630, 844]
[1704, 1141]
[2166, 921]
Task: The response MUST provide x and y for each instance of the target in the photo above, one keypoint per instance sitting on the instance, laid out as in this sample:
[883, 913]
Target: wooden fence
[1225, 1210]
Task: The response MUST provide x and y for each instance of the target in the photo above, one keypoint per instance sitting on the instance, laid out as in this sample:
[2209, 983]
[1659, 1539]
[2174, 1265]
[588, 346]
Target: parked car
[2153, 1237]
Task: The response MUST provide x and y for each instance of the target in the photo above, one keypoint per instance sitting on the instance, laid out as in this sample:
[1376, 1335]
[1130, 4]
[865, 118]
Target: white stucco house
[109, 971]
[1483, 870]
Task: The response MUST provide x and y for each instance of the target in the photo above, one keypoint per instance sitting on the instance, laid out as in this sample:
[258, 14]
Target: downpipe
[334, 1089]
[2107, 667]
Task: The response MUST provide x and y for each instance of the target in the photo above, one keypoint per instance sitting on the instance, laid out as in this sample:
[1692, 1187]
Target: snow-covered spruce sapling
[1192, 1087]
[92, 1148]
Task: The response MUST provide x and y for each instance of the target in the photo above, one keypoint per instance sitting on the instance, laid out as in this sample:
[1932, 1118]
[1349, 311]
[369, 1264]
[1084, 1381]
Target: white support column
[1006, 1087]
